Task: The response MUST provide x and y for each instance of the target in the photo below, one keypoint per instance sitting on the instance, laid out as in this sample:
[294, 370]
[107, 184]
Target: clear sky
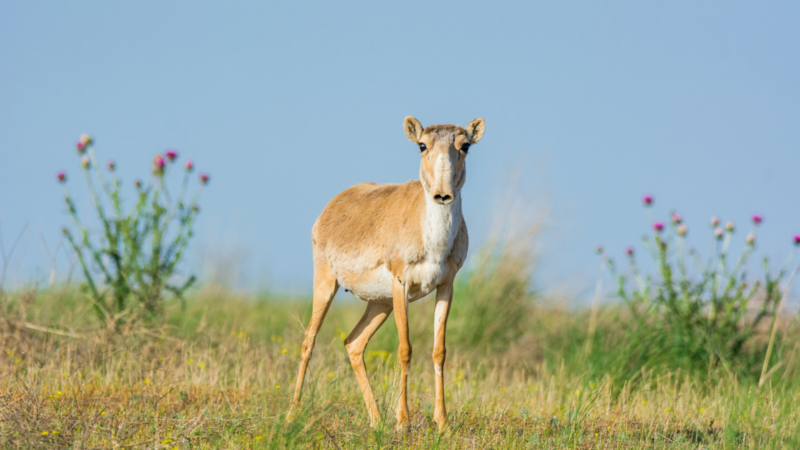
[288, 103]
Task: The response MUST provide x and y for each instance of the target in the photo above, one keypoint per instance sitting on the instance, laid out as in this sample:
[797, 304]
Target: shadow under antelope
[392, 244]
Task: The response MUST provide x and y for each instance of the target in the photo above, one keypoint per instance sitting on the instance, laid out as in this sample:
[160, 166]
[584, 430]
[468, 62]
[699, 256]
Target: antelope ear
[475, 130]
[413, 129]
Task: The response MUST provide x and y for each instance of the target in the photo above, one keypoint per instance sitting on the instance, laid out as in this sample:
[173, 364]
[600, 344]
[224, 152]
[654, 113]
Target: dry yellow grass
[218, 376]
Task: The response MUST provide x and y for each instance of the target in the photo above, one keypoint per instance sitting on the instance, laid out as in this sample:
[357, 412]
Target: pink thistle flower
[647, 199]
[658, 226]
[85, 162]
[751, 238]
[718, 232]
[138, 184]
[61, 176]
[111, 165]
[204, 177]
[189, 165]
[629, 251]
[676, 218]
[796, 239]
[84, 141]
[158, 165]
[714, 221]
[171, 155]
[682, 230]
[729, 226]
[757, 219]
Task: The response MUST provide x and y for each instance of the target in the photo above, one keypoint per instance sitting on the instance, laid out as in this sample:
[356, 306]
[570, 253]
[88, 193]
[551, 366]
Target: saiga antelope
[392, 244]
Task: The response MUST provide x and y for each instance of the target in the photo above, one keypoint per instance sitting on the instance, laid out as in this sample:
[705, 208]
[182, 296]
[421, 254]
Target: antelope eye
[422, 147]
[465, 148]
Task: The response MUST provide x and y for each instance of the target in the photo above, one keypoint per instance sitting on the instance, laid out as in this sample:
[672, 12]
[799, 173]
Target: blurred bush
[132, 263]
[698, 315]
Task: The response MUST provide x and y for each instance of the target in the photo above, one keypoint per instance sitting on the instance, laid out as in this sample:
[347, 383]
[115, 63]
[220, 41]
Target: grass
[219, 374]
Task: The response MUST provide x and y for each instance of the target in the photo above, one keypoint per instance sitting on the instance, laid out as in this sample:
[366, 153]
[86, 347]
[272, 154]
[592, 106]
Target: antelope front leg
[444, 297]
[404, 351]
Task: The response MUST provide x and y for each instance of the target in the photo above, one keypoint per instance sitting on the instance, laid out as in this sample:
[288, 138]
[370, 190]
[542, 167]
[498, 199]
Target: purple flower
[796, 239]
[85, 162]
[629, 251]
[171, 154]
[189, 165]
[751, 238]
[658, 226]
[647, 199]
[84, 141]
[757, 219]
[682, 230]
[61, 176]
[729, 226]
[111, 165]
[718, 232]
[204, 178]
[714, 221]
[158, 165]
[676, 218]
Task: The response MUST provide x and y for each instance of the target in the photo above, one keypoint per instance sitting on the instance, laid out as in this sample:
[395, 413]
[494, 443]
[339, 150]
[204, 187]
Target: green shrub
[132, 263]
[702, 318]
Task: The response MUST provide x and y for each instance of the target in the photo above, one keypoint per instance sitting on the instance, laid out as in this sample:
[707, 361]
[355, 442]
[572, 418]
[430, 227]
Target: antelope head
[444, 149]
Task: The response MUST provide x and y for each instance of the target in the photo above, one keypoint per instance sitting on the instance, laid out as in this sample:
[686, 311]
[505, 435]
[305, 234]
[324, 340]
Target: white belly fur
[376, 285]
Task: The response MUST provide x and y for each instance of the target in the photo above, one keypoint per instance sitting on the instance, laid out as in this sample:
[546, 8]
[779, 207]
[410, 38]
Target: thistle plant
[697, 314]
[130, 264]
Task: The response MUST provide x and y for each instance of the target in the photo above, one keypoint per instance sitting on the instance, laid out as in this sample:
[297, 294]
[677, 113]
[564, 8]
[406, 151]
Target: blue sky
[594, 104]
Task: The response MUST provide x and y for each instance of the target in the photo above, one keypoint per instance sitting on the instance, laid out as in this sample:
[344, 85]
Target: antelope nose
[443, 199]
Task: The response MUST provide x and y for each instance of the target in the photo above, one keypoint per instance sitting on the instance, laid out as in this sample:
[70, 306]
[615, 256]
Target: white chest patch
[440, 224]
